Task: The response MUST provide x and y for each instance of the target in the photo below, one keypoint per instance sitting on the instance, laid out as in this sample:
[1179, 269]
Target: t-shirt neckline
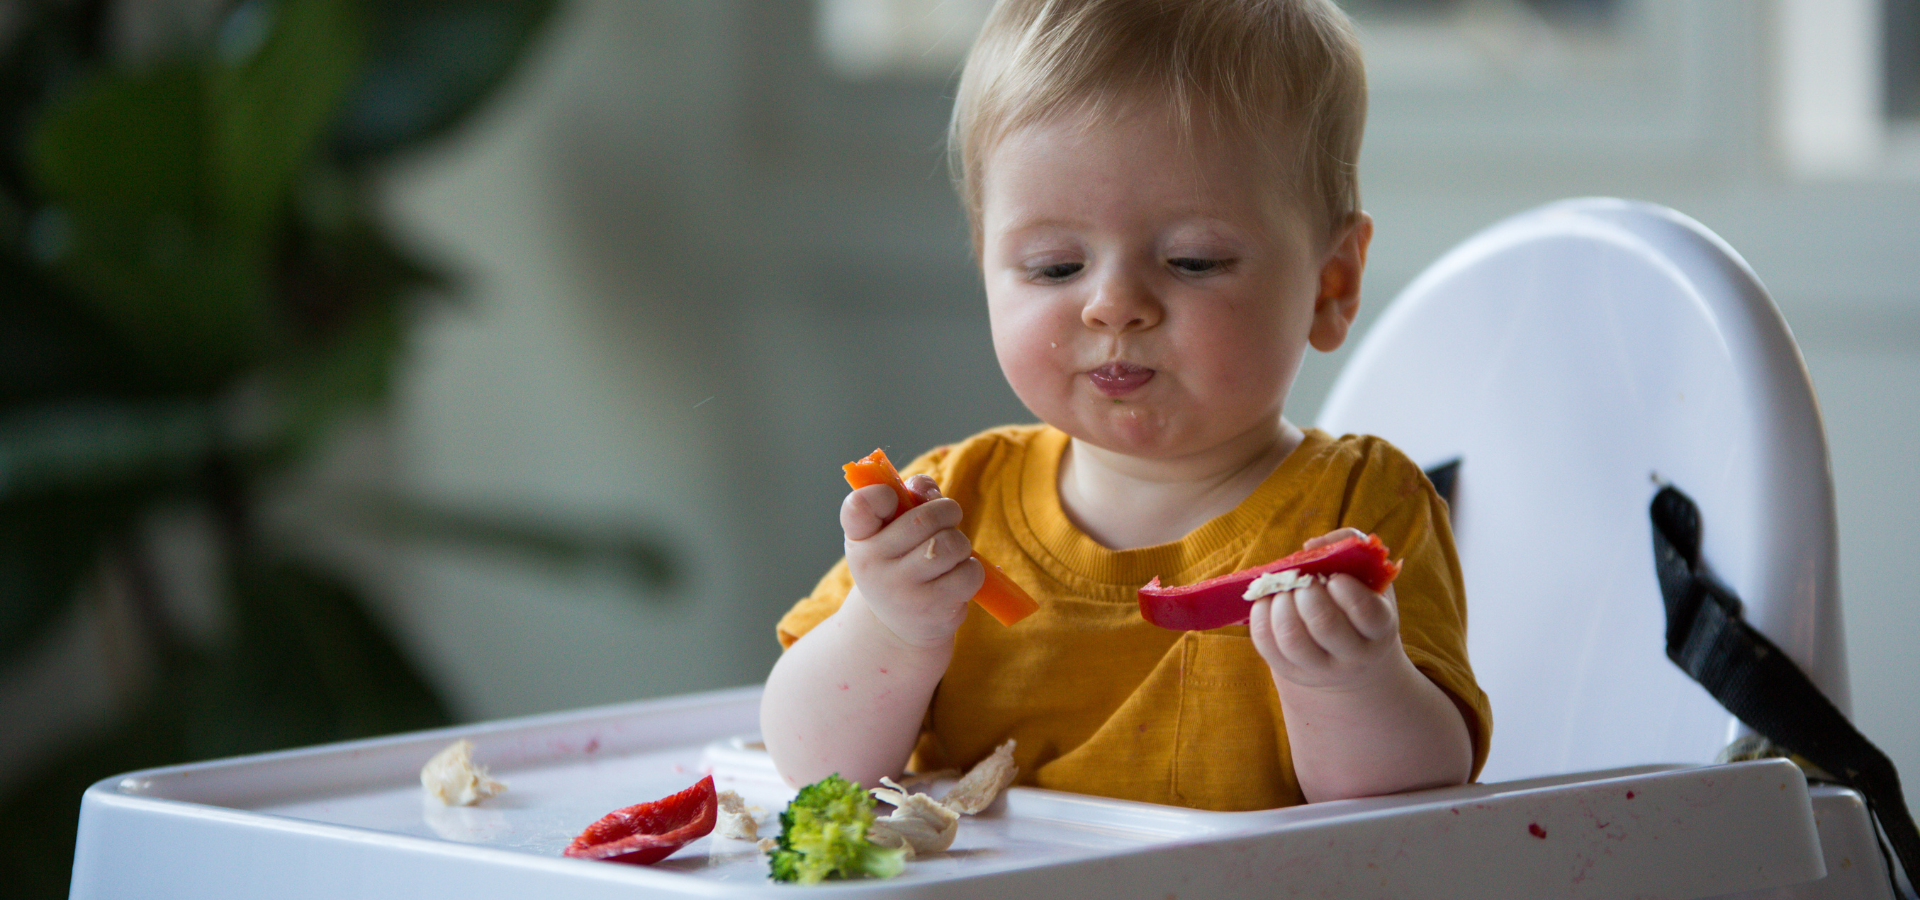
[1056, 543]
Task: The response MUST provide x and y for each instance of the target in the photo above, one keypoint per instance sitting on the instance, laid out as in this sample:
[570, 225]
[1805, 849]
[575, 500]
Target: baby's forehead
[1261, 158]
[1272, 144]
[1200, 115]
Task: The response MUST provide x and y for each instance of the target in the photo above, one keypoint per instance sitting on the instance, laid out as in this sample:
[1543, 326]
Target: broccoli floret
[823, 834]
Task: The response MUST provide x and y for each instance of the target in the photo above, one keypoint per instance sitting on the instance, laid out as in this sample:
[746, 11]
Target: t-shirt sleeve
[814, 608]
[1430, 590]
[826, 597]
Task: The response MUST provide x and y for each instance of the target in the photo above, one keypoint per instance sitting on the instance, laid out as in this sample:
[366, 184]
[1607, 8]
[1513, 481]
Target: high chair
[1566, 362]
[1570, 359]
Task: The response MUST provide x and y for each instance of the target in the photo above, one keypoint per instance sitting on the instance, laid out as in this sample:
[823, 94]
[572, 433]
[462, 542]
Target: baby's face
[1152, 299]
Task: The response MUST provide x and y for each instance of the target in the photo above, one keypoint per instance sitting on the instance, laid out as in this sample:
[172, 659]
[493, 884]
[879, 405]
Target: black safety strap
[1443, 476]
[1708, 638]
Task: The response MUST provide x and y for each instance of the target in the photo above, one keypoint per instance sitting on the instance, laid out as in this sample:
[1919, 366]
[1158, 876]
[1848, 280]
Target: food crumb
[452, 778]
[737, 819]
[1277, 582]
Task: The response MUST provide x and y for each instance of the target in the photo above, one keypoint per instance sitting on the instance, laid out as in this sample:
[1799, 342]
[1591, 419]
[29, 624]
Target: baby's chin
[1139, 432]
[1135, 431]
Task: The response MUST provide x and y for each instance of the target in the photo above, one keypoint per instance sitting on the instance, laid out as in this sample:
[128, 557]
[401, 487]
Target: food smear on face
[451, 777]
[1226, 600]
[646, 833]
[998, 595]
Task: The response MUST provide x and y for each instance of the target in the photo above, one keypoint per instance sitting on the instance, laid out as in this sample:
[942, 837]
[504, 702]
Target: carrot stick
[998, 595]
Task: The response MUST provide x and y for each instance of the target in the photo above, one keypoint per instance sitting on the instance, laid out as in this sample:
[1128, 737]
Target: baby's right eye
[1057, 271]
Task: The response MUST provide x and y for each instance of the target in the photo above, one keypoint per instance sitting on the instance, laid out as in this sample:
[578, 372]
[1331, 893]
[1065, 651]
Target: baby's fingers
[939, 555]
[963, 581]
[1281, 636]
[1327, 621]
[865, 511]
[1337, 534]
[924, 487]
[1374, 616]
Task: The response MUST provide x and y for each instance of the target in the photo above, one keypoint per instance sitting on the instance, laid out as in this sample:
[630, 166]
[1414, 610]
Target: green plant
[195, 287]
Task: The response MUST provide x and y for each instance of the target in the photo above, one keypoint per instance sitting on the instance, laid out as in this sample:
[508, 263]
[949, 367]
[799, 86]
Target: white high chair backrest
[1570, 356]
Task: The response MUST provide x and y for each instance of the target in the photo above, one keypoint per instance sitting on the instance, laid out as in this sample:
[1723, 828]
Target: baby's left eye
[1193, 265]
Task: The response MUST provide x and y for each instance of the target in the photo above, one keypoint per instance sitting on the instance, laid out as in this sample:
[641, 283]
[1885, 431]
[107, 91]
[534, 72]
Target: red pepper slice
[999, 595]
[1222, 601]
[647, 833]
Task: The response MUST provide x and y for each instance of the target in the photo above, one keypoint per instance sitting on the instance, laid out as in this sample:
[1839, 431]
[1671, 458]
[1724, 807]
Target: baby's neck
[1125, 502]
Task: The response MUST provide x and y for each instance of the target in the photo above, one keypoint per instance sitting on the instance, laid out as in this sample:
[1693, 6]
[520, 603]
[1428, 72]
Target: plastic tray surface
[352, 820]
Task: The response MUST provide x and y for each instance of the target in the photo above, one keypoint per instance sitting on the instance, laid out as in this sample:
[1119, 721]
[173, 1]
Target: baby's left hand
[1332, 634]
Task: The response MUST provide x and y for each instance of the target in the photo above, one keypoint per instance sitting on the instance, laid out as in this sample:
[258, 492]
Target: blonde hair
[1251, 69]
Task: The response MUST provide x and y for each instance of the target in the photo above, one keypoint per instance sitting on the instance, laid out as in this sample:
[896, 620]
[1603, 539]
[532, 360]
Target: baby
[1164, 208]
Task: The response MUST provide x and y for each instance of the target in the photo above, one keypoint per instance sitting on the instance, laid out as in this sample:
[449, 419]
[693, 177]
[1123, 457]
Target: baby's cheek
[1035, 368]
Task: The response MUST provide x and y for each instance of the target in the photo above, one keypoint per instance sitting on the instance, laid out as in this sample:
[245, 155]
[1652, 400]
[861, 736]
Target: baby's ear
[1339, 300]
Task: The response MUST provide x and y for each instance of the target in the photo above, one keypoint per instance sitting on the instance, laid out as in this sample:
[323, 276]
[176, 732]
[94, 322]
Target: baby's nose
[1121, 304]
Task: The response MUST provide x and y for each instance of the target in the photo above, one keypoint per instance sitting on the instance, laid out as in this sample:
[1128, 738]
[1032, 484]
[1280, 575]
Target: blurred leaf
[48, 543]
[286, 65]
[122, 162]
[51, 344]
[73, 475]
[81, 446]
[644, 557]
[346, 291]
[432, 62]
[354, 370]
[175, 242]
[127, 141]
[308, 664]
[54, 44]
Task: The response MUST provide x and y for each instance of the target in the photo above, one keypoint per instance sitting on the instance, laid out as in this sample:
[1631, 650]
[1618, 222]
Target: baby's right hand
[916, 573]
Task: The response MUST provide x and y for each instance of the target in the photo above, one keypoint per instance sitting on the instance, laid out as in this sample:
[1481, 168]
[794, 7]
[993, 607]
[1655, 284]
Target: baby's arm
[849, 696]
[1361, 720]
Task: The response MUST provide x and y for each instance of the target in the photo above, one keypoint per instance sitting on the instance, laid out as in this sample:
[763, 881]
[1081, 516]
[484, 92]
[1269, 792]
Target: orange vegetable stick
[998, 595]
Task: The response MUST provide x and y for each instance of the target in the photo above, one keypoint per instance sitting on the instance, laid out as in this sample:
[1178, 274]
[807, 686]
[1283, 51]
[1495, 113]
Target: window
[1900, 32]
[873, 38]
[1489, 91]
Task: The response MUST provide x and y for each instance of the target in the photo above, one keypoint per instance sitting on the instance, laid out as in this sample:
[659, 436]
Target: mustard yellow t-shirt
[1102, 702]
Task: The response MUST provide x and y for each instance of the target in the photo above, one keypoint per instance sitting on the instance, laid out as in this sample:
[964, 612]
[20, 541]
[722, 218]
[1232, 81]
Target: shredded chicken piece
[1275, 582]
[890, 791]
[983, 782]
[767, 845]
[452, 778]
[918, 822]
[737, 820]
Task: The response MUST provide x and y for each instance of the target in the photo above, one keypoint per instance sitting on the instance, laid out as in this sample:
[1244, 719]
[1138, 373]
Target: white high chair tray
[351, 820]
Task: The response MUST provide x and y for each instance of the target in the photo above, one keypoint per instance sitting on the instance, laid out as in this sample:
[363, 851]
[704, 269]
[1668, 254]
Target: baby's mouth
[1117, 379]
